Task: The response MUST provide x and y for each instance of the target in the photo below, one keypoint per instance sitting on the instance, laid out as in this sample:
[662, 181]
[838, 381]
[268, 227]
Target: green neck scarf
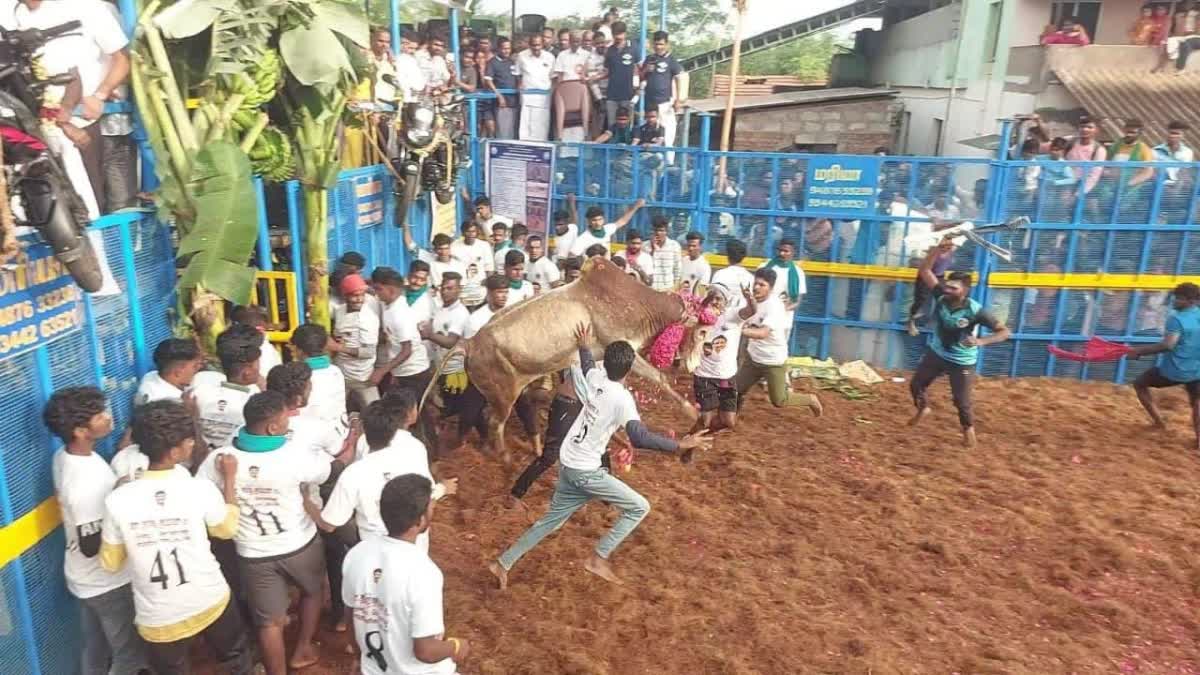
[502, 245]
[515, 284]
[248, 442]
[598, 233]
[412, 296]
[793, 287]
[318, 362]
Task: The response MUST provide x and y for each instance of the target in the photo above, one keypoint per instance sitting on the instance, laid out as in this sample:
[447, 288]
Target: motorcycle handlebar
[33, 38]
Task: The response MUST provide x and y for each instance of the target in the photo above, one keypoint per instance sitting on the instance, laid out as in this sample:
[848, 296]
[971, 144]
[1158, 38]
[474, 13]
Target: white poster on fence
[519, 176]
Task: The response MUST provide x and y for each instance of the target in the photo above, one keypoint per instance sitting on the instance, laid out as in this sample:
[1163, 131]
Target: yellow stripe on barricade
[272, 303]
[1125, 282]
[25, 532]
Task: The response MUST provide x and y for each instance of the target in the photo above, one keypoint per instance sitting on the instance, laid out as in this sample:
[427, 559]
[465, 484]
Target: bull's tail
[460, 348]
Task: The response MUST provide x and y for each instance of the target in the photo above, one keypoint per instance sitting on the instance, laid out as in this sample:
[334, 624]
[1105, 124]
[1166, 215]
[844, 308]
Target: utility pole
[727, 123]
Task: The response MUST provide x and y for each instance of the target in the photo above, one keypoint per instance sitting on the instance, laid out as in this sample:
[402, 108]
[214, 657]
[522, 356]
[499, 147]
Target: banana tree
[241, 76]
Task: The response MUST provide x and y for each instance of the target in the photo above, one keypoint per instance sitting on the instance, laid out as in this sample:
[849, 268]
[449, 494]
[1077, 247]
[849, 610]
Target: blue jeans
[574, 489]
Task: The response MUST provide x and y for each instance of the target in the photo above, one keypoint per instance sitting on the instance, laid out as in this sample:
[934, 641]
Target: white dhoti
[666, 117]
[72, 162]
[535, 117]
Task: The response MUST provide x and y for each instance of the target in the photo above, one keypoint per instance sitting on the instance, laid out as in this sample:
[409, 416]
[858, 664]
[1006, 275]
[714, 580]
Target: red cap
[353, 284]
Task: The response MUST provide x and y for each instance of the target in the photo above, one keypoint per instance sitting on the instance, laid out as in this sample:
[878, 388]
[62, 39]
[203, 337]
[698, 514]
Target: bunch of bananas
[263, 82]
[271, 155]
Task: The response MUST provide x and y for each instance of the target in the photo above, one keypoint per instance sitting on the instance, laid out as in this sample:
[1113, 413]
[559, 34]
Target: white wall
[916, 52]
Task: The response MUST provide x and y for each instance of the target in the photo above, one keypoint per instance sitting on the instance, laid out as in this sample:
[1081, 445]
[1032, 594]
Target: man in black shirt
[651, 133]
[660, 76]
[620, 132]
[620, 64]
[502, 74]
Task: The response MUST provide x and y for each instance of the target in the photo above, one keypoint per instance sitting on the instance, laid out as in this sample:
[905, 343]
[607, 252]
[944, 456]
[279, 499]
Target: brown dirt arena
[1066, 543]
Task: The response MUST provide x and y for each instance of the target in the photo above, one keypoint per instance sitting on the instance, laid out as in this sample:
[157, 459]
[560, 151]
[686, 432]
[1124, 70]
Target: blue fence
[1086, 220]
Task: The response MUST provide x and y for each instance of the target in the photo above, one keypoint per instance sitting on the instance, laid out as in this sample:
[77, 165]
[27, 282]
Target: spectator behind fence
[1070, 32]
[620, 71]
[535, 67]
[1183, 32]
[1174, 150]
[1085, 148]
[597, 86]
[96, 54]
[433, 64]
[660, 75]
[570, 87]
[1151, 28]
[502, 73]
[620, 132]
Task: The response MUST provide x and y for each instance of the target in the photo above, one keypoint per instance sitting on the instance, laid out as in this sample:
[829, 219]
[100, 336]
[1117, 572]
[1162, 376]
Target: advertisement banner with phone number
[39, 302]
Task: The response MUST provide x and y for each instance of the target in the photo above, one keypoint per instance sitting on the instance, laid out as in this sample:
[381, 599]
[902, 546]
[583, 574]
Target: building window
[1087, 11]
[991, 43]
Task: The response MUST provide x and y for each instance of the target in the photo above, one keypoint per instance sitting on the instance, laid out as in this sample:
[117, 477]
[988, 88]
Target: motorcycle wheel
[73, 248]
[408, 193]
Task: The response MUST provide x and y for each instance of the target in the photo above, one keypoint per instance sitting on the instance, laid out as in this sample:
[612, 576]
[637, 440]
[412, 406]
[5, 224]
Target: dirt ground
[1066, 543]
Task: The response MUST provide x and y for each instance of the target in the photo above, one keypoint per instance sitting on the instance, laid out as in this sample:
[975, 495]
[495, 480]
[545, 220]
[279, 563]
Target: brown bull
[528, 341]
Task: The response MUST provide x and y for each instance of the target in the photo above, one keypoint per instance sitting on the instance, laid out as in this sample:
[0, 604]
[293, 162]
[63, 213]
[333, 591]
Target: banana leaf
[222, 239]
[188, 17]
[313, 54]
[343, 18]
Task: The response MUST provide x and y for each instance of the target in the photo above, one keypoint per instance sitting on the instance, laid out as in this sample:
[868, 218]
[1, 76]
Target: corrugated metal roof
[760, 85]
[1114, 95]
[717, 104]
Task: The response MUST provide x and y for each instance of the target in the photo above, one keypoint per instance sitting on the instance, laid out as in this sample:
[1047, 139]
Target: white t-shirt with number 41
[395, 593]
[609, 407]
[162, 521]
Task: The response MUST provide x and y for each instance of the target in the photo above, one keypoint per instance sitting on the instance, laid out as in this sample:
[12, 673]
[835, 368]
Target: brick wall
[857, 127]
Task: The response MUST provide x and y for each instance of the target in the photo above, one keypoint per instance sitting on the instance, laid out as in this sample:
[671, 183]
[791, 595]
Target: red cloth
[1095, 350]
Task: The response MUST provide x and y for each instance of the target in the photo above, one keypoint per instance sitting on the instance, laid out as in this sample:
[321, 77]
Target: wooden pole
[727, 122]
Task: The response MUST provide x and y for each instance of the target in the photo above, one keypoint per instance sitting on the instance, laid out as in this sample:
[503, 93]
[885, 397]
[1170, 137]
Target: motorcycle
[34, 172]
[431, 151]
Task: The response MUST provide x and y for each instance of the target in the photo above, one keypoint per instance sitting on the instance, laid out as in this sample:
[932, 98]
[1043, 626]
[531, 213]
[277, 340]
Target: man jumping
[1181, 365]
[953, 346]
[609, 406]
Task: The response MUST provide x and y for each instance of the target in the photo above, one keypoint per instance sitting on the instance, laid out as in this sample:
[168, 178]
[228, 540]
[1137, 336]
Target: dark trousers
[472, 415]
[1185, 50]
[225, 551]
[226, 637]
[120, 173]
[563, 412]
[427, 424]
[962, 379]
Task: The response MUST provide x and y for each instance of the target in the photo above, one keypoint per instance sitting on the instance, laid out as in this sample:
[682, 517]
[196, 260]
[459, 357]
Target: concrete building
[959, 66]
[847, 120]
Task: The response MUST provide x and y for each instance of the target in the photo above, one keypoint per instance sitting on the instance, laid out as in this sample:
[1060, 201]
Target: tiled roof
[1112, 95]
[760, 85]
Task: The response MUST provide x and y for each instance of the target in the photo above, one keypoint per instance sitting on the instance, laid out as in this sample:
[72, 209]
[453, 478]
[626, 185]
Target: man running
[609, 407]
[1181, 365]
[953, 346]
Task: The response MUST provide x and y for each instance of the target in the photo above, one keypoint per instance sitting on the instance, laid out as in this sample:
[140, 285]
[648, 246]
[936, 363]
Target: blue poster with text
[842, 184]
[39, 302]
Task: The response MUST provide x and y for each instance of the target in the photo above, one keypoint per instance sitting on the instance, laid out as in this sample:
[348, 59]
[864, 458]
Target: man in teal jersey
[1181, 364]
[953, 345]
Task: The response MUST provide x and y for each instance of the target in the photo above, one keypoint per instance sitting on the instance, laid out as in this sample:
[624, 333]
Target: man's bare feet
[814, 404]
[304, 657]
[921, 414]
[603, 569]
[500, 573]
[969, 439]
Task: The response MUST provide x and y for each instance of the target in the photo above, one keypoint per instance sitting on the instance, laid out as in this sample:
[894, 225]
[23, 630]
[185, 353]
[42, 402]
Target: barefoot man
[609, 407]
[1181, 365]
[953, 346]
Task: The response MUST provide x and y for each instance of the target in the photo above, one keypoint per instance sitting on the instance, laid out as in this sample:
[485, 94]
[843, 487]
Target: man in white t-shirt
[219, 404]
[639, 259]
[82, 481]
[540, 270]
[440, 260]
[443, 333]
[766, 330]
[96, 51]
[695, 268]
[328, 399]
[255, 317]
[790, 284]
[395, 590]
[486, 218]
[277, 543]
[735, 277]
[422, 300]
[600, 233]
[713, 379]
[570, 85]
[666, 257]
[608, 407]
[409, 78]
[392, 451]
[478, 262]
[160, 525]
[565, 231]
[356, 337]
[535, 68]
[177, 362]
[514, 272]
[402, 354]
